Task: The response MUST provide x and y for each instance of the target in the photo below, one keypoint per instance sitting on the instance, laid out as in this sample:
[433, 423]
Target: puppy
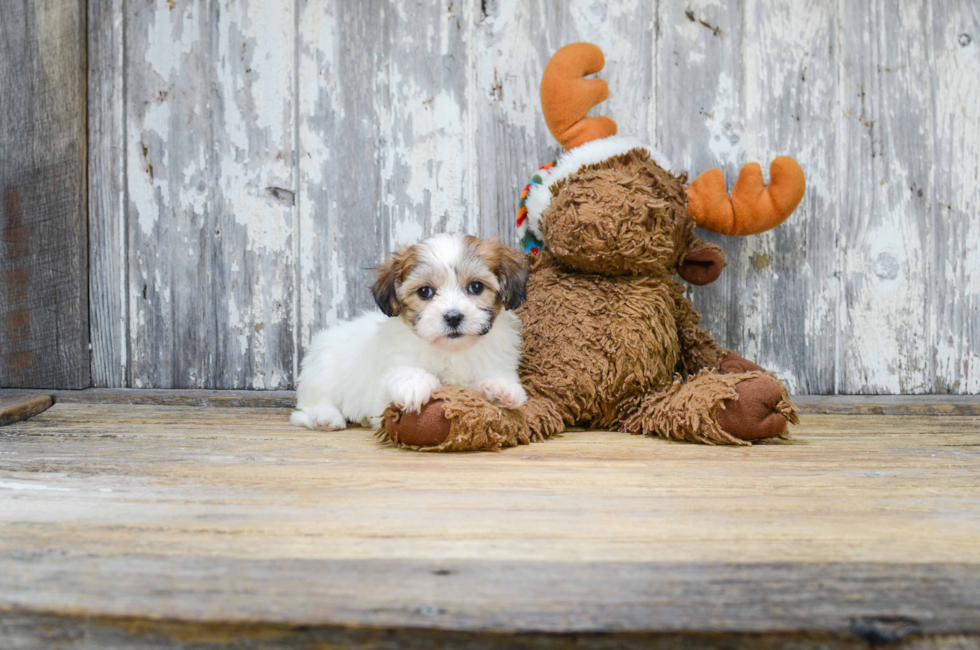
[445, 319]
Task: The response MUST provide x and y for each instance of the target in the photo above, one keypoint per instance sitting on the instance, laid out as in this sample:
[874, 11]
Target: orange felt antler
[566, 96]
[753, 206]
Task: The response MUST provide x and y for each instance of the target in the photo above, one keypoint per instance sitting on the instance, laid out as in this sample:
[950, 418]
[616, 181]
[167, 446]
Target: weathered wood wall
[251, 160]
[43, 242]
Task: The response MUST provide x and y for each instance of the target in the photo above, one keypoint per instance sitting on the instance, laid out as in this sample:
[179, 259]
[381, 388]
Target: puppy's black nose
[453, 318]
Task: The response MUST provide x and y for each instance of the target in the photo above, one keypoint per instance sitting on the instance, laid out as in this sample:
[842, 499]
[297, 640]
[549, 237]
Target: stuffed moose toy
[610, 341]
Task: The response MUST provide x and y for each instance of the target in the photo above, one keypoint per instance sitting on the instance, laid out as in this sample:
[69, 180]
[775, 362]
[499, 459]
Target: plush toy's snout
[702, 266]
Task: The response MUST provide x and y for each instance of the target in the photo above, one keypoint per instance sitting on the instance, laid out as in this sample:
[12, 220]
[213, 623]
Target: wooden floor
[169, 526]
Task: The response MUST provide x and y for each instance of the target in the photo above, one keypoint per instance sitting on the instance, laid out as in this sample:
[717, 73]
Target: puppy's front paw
[504, 393]
[409, 393]
[322, 417]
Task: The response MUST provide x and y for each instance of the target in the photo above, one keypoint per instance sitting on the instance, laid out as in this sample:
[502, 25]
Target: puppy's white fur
[354, 370]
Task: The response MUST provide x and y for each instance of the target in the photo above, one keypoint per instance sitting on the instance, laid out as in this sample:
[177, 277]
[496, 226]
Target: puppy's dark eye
[426, 293]
[475, 288]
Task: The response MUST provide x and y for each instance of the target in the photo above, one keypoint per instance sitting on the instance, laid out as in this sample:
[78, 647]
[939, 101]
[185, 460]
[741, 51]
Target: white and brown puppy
[445, 319]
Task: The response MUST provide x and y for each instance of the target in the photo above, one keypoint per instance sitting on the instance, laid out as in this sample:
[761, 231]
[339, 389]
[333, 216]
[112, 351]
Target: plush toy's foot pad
[427, 428]
[457, 419]
[761, 410]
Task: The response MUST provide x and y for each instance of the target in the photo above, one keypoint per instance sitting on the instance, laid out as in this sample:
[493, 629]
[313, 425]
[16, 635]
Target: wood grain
[807, 404]
[461, 604]
[171, 167]
[887, 156]
[185, 397]
[210, 110]
[341, 231]
[14, 408]
[888, 404]
[108, 236]
[253, 187]
[217, 518]
[786, 290]
[377, 123]
[43, 248]
[700, 124]
[954, 43]
[847, 488]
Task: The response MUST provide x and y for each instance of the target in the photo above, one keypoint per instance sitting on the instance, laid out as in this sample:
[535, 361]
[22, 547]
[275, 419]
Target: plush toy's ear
[702, 263]
[510, 267]
[390, 274]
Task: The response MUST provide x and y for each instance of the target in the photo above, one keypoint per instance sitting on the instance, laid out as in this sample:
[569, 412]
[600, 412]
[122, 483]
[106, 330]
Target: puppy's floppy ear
[510, 267]
[390, 274]
[385, 288]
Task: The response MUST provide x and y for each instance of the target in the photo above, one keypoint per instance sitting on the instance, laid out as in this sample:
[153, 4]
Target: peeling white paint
[956, 322]
[724, 123]
[429, 172]
[867, 280]
[175, 33]
[147, 182]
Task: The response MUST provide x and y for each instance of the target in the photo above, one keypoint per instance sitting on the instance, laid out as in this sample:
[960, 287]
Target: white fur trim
[590, 153]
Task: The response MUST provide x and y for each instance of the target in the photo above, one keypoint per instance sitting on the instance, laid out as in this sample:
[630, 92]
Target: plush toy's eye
[425, 293]
[475, 288]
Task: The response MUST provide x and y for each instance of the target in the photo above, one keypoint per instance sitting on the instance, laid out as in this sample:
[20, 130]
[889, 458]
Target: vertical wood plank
[210, 113]
[253, 192]
[785, 280]
[955, 271]
[340, 182]
[700, 124]
[43, 238]
[512, 139]
[171, 170]
[427, 148]
[108, 252]
[886, 176]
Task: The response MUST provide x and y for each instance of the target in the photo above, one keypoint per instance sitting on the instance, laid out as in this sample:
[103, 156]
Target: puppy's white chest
[453, 374]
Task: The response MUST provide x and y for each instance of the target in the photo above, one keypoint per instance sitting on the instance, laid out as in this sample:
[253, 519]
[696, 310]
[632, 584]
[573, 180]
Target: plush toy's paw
[508, 394]
[733, 363]
[762, 409]
[457, 419]
[413, 388]
[427, 428]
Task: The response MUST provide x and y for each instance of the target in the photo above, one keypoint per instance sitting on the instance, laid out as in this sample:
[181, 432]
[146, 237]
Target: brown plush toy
[610, 341]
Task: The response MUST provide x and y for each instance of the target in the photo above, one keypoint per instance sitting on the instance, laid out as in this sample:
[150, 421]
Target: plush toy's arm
[698, 349]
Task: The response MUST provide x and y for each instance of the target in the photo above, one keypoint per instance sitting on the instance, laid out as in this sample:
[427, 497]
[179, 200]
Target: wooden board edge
[16, 409]
[36, 629]
[968, 405]
[177, 397]
[922, 405]
[807, 404]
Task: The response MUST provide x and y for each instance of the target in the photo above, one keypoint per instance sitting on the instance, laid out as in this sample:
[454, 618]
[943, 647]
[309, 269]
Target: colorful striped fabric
[529, 241]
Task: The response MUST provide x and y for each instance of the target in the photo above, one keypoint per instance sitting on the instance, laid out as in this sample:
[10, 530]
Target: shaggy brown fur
[610, 341]
[474, 423]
